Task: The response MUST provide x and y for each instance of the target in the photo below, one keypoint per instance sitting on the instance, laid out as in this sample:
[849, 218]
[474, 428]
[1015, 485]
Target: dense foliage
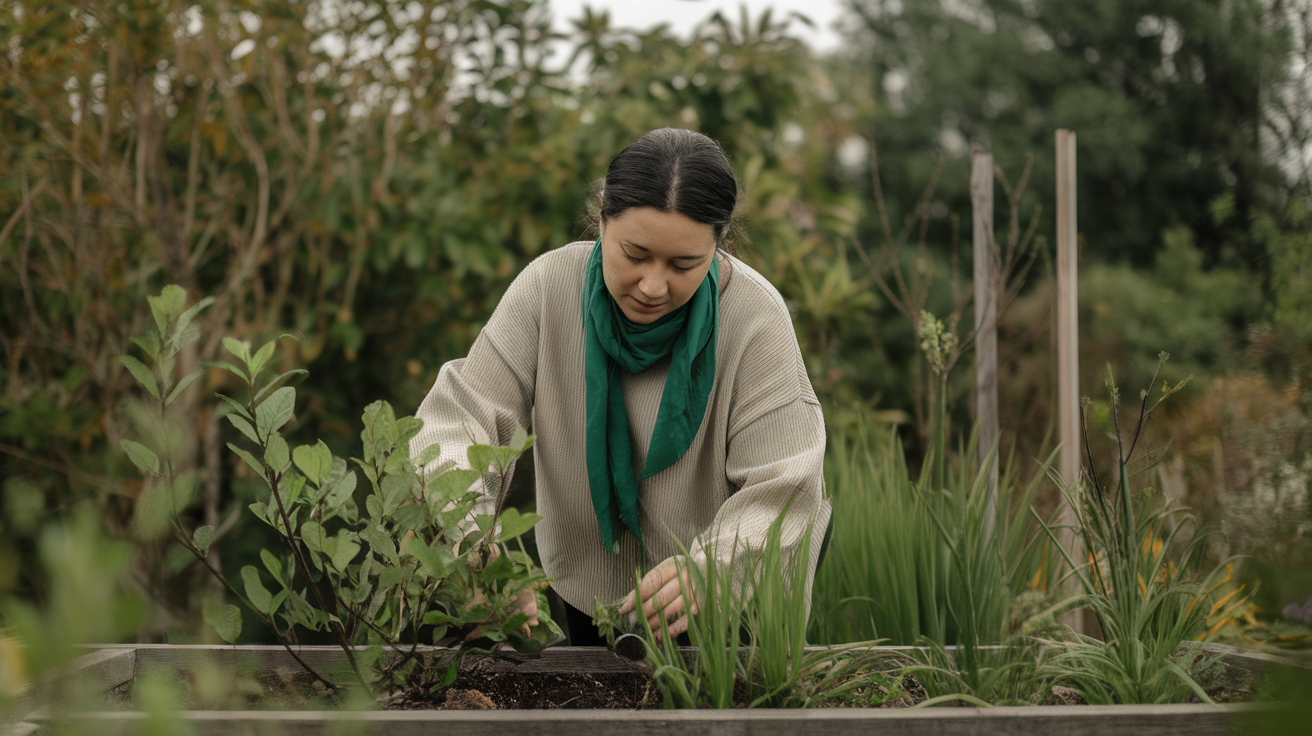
[370, 176]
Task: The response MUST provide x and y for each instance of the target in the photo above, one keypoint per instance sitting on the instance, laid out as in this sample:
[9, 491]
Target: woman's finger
[653, 581]
[662, 597]
[673, 608]
[528, 605]
[679, 626]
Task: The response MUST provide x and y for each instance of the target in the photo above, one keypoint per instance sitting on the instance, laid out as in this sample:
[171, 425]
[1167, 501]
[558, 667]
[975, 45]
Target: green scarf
[613, 341]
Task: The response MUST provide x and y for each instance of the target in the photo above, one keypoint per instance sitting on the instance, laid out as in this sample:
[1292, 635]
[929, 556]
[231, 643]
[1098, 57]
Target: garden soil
[541, 690]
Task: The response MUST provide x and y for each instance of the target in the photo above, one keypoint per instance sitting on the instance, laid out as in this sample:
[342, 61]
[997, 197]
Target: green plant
[890, 571]
[406, 572]
[714, 626]
[1141, 581]
[749, 630]
[83, 598]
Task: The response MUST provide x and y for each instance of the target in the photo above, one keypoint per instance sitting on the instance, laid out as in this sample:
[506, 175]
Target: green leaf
[276, 603]
[234, 406]
[240, 349]
[341, 491]
[158, 311]
[484, 458]
[141, 456]
[256, 465]
[258, 509]
[347, 549]
[140, 372]
[182, 337]
[382, 543]
[451, 672]
[441, 619]
[276, 455]
[430, 559]
[278, 522]
[502, 568]
[171, 299]
[202, 538]
[379, 433]
[313, 536]
[258, 595]
[428, 455]
[261, 358]
[315, 461]
[149, 343]
[182, 489]
[405, 430]
[276, 410]
[245, 427]
[274, 567]
[225, 619]
[299, 373]
[229, 367]
[521, 440]
[514, 524]
[450, 486]
[396, 490]
[293, 484]
[373, 507]
[185, 318]
[183, 384]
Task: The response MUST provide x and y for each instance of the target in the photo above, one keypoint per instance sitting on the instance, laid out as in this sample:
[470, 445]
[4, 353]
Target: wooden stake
[1068, 348]
[986, 321]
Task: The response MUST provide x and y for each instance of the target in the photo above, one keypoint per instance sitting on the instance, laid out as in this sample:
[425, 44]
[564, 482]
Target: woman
[662, 381]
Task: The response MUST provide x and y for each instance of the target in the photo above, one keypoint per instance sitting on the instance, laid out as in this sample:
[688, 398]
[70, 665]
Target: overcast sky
[682, 15]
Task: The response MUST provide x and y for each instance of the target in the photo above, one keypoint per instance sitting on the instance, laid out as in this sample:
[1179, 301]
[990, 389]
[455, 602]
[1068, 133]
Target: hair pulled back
[674, 170]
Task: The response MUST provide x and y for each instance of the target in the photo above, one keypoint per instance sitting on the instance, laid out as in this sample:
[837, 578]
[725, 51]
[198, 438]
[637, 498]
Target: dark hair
[674, 170]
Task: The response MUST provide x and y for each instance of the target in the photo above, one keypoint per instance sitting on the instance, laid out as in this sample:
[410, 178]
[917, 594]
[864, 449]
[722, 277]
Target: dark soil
[540, 690]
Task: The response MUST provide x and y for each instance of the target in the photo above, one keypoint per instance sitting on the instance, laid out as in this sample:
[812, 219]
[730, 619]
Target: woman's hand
[662, 590]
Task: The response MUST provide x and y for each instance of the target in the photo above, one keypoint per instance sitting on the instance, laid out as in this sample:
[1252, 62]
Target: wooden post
[1068, 348]
[986, 321]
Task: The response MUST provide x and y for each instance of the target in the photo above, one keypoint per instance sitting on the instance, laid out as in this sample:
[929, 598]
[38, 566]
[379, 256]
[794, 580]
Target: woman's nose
[653, 286]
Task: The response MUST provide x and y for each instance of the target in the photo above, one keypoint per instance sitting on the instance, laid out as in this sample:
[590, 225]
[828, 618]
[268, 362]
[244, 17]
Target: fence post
[986, 321]
[1068, 367]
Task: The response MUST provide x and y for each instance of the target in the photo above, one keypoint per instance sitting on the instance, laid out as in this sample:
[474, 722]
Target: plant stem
[268, 621]
[309, 581]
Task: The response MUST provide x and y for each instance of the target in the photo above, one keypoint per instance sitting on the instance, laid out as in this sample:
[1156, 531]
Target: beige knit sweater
[761, 443]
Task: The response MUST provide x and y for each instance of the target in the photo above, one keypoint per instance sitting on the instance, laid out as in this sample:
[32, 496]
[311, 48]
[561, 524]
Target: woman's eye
[683, 269]
[635, 260]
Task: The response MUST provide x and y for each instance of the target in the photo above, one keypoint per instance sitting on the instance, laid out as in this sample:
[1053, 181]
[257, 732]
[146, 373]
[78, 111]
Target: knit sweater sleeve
[483, 398]
[775, 454]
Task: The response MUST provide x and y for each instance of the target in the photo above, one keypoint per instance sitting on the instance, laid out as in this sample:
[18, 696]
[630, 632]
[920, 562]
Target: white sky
[682, 15]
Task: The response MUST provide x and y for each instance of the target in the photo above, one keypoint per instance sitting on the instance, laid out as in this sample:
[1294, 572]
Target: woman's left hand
[662, 590]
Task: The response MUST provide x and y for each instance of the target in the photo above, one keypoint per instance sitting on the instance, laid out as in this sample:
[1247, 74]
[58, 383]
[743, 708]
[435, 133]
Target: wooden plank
[1068, 365]
[557, 660]
[986, 322]
[95, 672]
[1076, 720]
[1253, 663]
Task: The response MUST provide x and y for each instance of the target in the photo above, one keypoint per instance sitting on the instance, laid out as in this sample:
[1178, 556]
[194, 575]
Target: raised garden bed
[585, 689]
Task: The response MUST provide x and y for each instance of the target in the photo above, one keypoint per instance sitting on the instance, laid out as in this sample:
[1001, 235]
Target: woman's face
[654, 261]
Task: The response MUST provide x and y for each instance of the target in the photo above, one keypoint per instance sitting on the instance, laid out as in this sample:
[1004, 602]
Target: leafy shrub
[408, 571]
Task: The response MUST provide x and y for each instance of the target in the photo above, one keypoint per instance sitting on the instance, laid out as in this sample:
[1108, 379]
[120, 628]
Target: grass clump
[890, 571]
[749, 629]
[1142, 580]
